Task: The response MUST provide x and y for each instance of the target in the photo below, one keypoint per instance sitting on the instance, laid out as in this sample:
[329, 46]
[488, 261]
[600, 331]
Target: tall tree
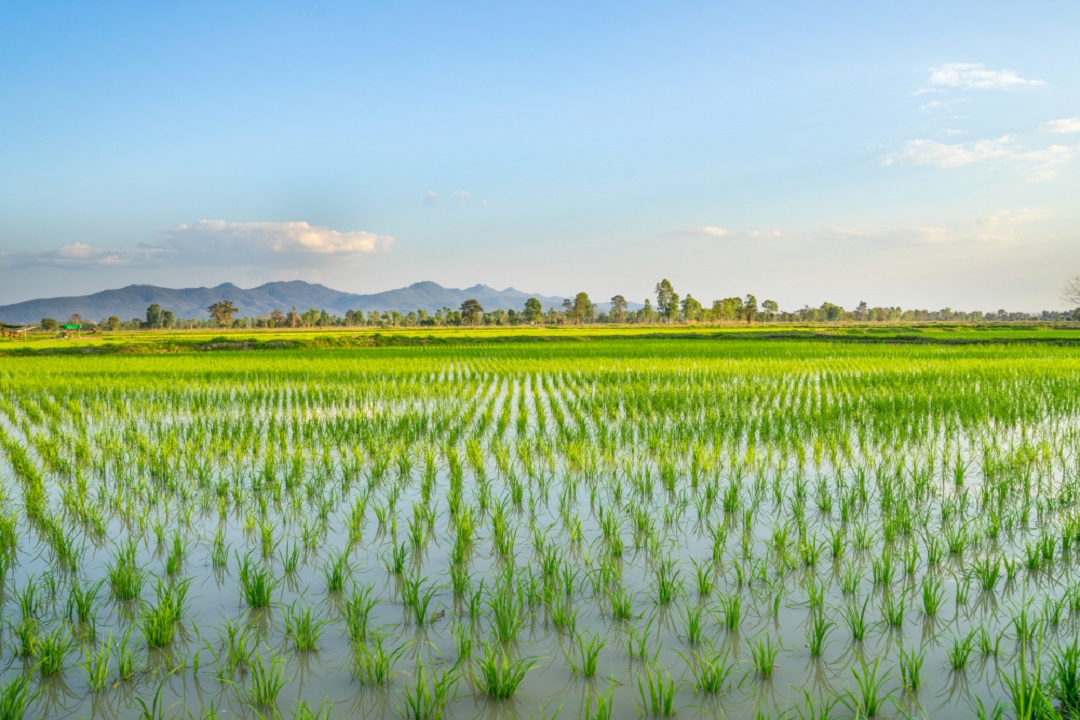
[534, 311]
[770, 308]
[153, 316]
[222, 311]
[471, 310]
[618, 308]
[750, 308]
[667, 301]
[582, 308]
[691, 309]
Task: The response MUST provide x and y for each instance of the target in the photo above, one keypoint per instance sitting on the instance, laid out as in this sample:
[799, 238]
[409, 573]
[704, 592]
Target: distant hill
[132, 301]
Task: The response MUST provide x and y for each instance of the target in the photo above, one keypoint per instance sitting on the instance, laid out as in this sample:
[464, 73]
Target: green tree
[222, 311]
[618, 308]
[471, 310]
[534, 311]
[750, 308]
[582, 308]
[728, 308]
[770, 308]
[691, 309]
[153, 316]
[113, 323]
[49, 324]
[667, 300]
[168, 319]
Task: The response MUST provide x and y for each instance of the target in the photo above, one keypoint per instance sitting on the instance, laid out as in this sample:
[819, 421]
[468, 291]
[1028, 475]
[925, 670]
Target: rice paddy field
[607, 529]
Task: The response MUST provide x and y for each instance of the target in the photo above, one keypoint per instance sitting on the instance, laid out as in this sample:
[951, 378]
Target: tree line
[669, 307]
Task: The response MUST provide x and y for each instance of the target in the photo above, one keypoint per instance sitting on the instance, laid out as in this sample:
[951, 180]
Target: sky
[918, 154]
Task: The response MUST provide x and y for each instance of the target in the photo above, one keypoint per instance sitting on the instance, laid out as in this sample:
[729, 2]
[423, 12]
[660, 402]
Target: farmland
[605, 529]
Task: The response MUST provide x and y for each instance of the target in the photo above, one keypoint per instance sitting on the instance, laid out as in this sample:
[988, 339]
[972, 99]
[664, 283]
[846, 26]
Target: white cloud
[461, 194]
[1065, 125]
[289, 241]
[712, 231]
[974, 76]
[1003, 149]
[217, 242]
[1003, 225]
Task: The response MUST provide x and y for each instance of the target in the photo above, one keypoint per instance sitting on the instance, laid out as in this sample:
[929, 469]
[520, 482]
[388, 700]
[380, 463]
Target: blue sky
[920, 154]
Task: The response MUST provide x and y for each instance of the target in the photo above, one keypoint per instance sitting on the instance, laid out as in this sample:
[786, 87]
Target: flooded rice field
[612, 529]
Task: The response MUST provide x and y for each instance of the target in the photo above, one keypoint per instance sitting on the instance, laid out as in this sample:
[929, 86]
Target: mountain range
[132, 301]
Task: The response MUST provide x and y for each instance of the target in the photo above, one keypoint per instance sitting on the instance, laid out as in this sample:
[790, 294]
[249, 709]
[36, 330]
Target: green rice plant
[959, 652]
[236, 641]
[1027, 692]
[869, 698]
[987, 644]
[16, 698]
[731, 607]
[303, 711]
[588, 654]
[657, 694]
[290, 558]
[764, 653]
[303, 630]
[668, 583]
[604, 705]
[622, 603]
[81, 598]
[911, 663]
[694, 628]
[257, 583]
[357, 610]
[987, 570]
[506, 614]
[856, 620]
[563, 616]
[159, 621]
[125, 577]
[267, 681]
[417, 599]
[52, 649]
[499, 675]
[711, 670]
[26, 636]
[703, 574]
[427, 700]
[395, 563]
[850, 579]
[373, 662]
[932, 596]
[1025, 627]
[817, 632]
[1065, 678]
[96, 666]
[125, 657]
[335, 571]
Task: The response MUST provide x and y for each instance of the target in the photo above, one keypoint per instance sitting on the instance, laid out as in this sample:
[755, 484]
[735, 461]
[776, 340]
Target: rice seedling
[373, 662]
[500, 675]
[817, 632]
[764, 653]
[932, 596]
[869, 698]
[711, 670]
[302, 629]
[15, 698]
[97, 666]
[267, 681]
[257, 583]
[427, 699]
[657, 693]
[52, 650]
[588, 654]
[856, 620]
[911, 663]
[959, 652]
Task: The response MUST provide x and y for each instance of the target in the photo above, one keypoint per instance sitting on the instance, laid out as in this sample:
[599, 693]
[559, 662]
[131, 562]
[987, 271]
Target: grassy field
[164, 341]
[607, 528]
